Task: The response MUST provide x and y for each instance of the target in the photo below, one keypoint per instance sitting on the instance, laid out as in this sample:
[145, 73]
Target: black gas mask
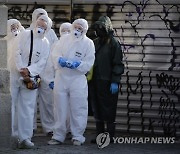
[100, 31]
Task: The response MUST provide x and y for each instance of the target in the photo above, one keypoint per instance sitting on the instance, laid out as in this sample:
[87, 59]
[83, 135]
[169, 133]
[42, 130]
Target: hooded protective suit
[45, 98]
[70, 90]
[12, 41]
[65, 28]
[50, 35]
[107, 71]
[36, 13]
[26, 97]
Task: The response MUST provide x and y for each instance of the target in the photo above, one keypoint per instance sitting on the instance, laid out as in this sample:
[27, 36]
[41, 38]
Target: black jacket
[108, 57]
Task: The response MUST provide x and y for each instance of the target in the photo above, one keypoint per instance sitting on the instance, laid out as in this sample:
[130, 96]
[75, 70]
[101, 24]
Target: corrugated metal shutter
[148, 30]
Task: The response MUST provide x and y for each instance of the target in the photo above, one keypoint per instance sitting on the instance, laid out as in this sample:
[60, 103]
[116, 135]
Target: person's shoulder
[95, 39]
[115, 41]
[24, 34]
[45, 42]
[87, 39]
[51, 31]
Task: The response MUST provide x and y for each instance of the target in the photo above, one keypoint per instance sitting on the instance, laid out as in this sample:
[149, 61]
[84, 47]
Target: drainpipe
[71, 12]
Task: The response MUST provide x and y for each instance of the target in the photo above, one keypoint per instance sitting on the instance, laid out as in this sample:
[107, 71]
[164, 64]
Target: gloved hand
[62, 62]
[51, 85]
[74, 65]
[114, 88]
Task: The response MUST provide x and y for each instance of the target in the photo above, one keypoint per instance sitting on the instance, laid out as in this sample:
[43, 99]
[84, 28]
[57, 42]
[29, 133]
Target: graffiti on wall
[23, 13]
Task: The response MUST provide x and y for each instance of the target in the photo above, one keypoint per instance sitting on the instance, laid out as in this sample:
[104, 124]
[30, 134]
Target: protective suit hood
[65, 25]
[35, 16]
[83, 23]
[47, 20]
[50, 23]
[106, 23]
[10, 22]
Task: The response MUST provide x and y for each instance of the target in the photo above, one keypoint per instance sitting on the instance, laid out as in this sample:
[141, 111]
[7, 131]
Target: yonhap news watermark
[143, 140]
[104, 140]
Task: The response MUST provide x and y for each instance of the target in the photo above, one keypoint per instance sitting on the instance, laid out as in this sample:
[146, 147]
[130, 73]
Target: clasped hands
[69, 64]
[25, 74]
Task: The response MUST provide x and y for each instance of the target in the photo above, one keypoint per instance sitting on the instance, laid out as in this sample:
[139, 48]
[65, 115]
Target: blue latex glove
[114, 88]
[74, 65]
[62, 62]
[51, 85]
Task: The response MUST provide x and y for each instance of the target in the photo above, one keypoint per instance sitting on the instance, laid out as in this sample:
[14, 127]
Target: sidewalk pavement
[88, 148]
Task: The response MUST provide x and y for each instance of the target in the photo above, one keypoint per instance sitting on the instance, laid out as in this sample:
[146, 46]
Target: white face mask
[64, 33]
[15, 32]
[40, 31]
[77, 33]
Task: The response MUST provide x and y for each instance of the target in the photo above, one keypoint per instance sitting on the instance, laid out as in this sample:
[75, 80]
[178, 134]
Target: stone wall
[5, 105]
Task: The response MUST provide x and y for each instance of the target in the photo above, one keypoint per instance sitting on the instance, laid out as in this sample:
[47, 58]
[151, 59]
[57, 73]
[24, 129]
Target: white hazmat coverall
[12, 41]
[64, 30]
[70, 90]
[27, 98]
[45, 99]
[45, 94]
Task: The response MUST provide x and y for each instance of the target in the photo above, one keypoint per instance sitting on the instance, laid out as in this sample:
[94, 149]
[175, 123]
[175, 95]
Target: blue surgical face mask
[77, 33]
[40, 31]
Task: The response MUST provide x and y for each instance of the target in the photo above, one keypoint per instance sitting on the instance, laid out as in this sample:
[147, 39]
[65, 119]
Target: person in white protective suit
[64, 30]
[14, 28]
[27, 97]
[72, 57]
[45, 94]
[35, 15]
[50, 35]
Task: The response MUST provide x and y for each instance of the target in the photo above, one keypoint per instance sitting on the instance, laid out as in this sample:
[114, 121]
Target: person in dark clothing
[107, 71]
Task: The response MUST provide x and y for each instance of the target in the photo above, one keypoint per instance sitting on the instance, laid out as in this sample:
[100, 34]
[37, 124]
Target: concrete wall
[5, 105]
